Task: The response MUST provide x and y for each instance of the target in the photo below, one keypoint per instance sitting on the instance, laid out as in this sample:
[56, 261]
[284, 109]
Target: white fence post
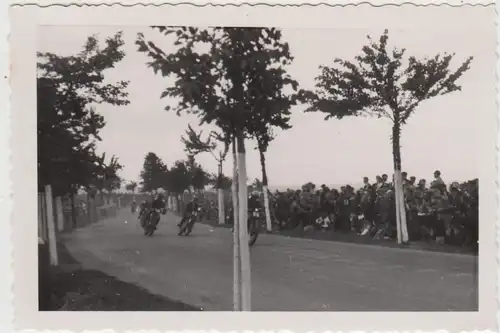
[59, 214]
[169, 203]
[42, 218]
[51, 226]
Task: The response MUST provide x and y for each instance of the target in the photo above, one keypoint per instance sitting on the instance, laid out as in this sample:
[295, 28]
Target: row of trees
[68, 88]
[183, 175]
[236, 79]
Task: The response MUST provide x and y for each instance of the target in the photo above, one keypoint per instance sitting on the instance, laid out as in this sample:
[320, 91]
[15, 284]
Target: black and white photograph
[266, 167]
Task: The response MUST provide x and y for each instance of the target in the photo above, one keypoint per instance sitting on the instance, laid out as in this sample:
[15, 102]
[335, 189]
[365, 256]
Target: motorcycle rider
[253, 201]
[157, 205]
[190, 208]
[143, 209]
[133, 206]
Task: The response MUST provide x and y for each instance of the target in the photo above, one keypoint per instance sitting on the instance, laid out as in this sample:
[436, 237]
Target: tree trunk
[236, 236]
[220, 197]
[402, 207]
[89, 215]
[51, 228]
[73, 209]
[398, 186]
[264, 190]
[243, 221]
[397, 205]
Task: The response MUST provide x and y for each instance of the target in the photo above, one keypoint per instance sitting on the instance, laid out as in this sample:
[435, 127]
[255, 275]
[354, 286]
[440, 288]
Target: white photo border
[21, 161]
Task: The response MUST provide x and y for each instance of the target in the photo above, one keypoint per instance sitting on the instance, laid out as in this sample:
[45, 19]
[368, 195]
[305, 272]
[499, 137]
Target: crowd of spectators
[433, 210]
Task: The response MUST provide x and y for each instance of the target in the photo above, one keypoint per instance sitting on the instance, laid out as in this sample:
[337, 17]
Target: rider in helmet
[253, 201]
[191, 206]
[158, 202]
[156, 205]
[143, 209]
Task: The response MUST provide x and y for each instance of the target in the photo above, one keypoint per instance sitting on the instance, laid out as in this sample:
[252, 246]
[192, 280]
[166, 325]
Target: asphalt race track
[288, 274]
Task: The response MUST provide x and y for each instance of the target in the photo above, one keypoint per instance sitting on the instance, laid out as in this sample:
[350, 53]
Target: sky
[443, 133]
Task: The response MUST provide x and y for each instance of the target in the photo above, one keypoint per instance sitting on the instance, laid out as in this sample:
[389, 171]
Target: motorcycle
[186, 226]
[253, 226]
[151, 222]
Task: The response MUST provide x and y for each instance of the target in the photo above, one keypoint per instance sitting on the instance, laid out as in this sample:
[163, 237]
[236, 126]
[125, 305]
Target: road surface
[288, 274]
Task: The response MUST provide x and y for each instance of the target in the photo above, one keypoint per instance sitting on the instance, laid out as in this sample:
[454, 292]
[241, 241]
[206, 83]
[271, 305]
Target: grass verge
[77, 289]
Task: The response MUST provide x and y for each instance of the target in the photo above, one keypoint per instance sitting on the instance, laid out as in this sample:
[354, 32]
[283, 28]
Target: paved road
[288, 274]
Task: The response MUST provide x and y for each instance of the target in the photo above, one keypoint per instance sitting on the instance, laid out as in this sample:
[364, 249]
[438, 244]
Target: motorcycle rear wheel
[149, 228]
[253, 232]
[183, 228]
[189, 227]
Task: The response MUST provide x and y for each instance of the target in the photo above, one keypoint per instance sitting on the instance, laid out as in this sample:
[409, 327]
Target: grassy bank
[77, 289]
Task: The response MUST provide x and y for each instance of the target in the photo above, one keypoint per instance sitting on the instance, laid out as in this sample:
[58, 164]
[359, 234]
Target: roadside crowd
[433, 211]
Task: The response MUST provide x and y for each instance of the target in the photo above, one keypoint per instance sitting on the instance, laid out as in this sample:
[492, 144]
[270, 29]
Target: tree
[152, 173]
[112, 180]
[378, 84]
[106, 175]
[65, 152]
[131, 186]
[257, 184]
[179, 179]
[226, 86]
[223, 182]
[264, 136]
[198, 178]
[195, 144]
[68, 126]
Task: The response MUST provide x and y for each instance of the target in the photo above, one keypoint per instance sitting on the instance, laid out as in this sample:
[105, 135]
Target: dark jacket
[253, 202]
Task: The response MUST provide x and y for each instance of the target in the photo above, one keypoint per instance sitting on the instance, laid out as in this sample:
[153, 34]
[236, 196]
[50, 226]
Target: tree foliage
[239, 79]
[106, 175]
[379, 84]
[257, 185]
[223, 182]
[194, 143]
[179, 178]
[132, 186]
[67, 125]
[153, 173]
[81, 77]
[183, 175]
[198, 177]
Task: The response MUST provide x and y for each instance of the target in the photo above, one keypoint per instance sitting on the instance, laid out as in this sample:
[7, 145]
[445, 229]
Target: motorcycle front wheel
[149, 230]
[253, 232]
